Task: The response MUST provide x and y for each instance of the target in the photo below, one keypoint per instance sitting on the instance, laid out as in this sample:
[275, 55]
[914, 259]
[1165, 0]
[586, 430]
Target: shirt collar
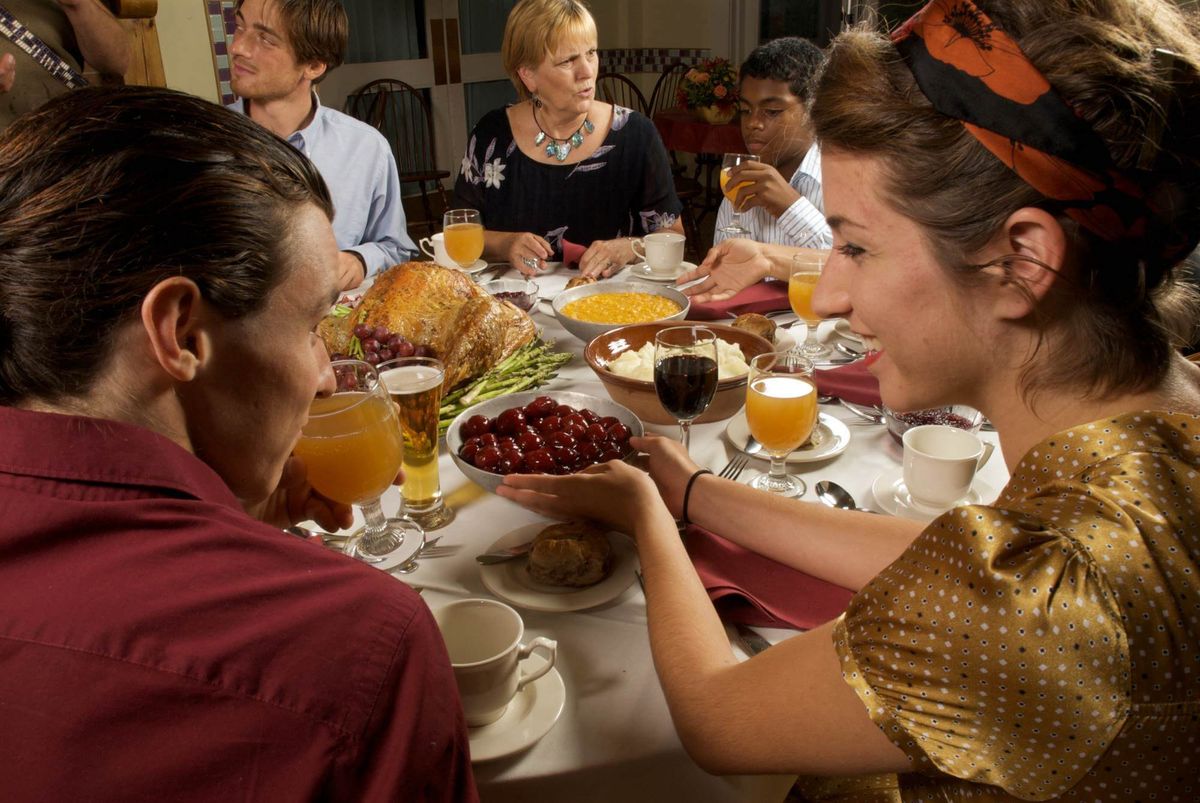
[303, 139]
[98, 450]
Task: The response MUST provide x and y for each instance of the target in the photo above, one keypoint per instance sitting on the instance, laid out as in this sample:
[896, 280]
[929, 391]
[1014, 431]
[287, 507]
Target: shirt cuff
[805, 225]
[377, 258]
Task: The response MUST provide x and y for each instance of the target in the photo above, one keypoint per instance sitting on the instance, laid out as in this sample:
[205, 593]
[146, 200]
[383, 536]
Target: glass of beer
[781, 409]
[732, 160]
[462, 230]
[415, 385]
[352, 448]
[802, 281]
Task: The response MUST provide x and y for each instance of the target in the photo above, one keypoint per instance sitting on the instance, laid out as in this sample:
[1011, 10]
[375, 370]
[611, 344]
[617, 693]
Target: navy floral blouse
[623, 189]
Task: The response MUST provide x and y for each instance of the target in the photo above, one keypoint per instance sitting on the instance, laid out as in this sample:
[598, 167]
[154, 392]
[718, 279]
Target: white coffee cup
[940, 462]
[483, 638]
[662, 251]
[435, 247]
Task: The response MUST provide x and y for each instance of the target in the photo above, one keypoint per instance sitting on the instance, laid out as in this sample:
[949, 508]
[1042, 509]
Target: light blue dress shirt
[360, 171]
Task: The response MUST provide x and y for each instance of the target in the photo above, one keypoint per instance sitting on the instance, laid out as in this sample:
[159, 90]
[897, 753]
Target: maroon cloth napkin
[850, 382]
[760, 297]
[780, 595]
[572, 252]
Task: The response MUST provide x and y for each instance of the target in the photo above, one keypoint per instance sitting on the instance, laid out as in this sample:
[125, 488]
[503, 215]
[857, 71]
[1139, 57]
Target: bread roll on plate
[573, 553]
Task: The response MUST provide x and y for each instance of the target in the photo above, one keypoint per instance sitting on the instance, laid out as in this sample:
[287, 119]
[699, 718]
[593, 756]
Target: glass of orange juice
[802, 280]
[352, 447]
[781, 410]
[462, 230]
[732, 160]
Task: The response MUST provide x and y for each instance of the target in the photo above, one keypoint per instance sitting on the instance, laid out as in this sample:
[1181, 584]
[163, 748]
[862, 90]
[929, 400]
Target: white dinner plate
[833, 438]
[510, 581]
[530, 716]
[893, 498]
[642, 271]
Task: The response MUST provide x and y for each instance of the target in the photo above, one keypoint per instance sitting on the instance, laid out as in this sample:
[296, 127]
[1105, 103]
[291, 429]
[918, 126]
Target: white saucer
[642, 271]
[529, 717]
[474, 268]
[841, 327]
[832, 434]
[510, 580]
[893, 498]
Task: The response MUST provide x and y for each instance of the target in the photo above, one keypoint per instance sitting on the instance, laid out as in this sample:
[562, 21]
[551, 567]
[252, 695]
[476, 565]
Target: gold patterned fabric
[1047, 647]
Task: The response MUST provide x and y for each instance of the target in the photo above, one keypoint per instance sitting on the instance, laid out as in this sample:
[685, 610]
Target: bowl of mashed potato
[623, 359]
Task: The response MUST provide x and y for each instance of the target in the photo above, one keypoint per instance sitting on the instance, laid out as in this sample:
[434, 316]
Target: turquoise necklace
[559, 148]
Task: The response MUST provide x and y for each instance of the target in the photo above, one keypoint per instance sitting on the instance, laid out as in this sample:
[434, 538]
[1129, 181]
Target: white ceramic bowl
[493, 407]
[521, 293]
[585, 330]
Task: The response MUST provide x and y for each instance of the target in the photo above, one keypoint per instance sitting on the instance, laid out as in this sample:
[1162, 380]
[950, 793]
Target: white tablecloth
[614, 740]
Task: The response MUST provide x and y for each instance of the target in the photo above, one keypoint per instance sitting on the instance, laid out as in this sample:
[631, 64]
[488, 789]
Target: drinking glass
[781, 409]
[462, 230]
[802, 280]
[415, 385]
[353, 449]
[685, 373]
[732, 160]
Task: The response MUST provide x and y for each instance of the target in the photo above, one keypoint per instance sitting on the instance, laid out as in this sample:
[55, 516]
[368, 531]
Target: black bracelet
[687, 493]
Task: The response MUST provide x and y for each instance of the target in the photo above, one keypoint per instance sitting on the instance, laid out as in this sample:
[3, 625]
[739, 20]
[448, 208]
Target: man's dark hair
[318, 30]
[105, 192]
[789, 59]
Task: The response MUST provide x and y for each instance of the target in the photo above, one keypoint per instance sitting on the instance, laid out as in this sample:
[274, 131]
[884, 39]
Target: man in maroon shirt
[163, 266]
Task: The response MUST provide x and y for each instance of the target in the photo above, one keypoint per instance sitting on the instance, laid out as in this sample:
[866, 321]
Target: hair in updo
[104, 193]
[1117, 325]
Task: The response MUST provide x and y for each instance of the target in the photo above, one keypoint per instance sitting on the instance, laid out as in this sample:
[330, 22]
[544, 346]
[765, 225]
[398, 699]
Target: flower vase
[715, 115]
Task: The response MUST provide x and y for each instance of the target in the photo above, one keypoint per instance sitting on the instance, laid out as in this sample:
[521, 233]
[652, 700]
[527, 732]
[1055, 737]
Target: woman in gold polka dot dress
[1011, 187]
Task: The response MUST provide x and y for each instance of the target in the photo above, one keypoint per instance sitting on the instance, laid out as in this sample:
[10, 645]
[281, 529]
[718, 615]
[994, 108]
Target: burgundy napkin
[572, 252]
[760, 297]
[850, 382]
[748, 589]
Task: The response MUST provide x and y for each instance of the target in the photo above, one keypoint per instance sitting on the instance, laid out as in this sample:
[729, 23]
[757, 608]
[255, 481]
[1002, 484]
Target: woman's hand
[527, 252]
[294, 500]
[731, 266]
[612, 493]
[603, 258]
[670, 468]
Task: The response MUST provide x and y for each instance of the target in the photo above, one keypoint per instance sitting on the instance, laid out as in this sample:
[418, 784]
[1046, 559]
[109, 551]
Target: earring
[537, 102]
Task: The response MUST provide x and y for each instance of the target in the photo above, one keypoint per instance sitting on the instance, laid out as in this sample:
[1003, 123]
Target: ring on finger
[530, 262]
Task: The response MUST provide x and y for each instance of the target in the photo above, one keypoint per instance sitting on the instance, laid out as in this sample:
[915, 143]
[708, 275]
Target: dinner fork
[734, 467]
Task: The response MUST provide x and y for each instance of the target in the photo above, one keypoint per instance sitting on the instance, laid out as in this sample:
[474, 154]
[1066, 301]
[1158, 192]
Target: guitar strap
[15, 32]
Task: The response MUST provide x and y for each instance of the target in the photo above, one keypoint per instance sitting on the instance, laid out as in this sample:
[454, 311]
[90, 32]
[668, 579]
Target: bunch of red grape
[543, 437]
[380, 345]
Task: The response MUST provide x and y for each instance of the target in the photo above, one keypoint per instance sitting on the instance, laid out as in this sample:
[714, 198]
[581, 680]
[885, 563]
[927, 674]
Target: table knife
[750, 641]
[501, 555]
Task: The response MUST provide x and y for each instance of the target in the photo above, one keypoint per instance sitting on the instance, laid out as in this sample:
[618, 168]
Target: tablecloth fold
[760, 297]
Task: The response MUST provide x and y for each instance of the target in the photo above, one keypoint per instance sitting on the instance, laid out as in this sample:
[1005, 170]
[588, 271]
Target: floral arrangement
[713, 82]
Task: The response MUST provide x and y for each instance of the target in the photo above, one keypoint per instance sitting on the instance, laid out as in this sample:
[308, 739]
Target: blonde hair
[1116, 324]
[535, 28]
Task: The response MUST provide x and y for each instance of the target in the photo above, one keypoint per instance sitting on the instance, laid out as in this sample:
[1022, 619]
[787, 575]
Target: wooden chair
[145, 62]
[401, 113]
[687, 188]
[615, 88]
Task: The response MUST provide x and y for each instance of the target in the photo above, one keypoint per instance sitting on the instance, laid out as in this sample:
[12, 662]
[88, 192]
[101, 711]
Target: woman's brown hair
[104, 193]
[1116, 324]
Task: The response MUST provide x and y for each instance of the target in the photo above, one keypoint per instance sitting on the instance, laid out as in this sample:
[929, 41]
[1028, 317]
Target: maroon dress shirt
[158, 644]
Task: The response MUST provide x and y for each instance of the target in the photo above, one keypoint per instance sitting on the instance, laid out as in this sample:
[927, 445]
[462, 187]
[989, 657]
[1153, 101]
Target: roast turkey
[467, 329]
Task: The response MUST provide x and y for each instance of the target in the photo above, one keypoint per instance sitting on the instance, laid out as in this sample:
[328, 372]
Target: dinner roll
[760, 325]
[573, 553]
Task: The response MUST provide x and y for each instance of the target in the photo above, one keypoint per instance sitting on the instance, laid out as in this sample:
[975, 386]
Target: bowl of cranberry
[958, 415]
[547, 432]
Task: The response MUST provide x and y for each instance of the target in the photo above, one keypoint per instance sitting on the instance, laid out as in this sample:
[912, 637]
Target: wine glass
[732, 160]
[352, 447]
[781, 409]
[685, 373]
[802, 280]
[462, 230]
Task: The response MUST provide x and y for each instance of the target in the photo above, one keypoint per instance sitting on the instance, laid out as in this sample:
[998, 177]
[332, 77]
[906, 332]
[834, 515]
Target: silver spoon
[835, 495]
[849, 351]
[752, 446]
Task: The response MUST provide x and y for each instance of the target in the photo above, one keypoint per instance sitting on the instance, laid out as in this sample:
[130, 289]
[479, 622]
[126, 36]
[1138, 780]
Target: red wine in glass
[685, 373]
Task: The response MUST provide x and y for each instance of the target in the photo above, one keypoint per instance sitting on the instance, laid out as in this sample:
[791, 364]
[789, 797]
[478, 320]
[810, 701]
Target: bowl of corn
[593, 309]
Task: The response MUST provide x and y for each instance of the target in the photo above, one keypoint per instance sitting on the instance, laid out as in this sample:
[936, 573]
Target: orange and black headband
[974, 72]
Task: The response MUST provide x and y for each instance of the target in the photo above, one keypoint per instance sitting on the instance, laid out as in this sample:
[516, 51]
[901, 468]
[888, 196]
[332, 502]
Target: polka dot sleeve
[992, 651]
